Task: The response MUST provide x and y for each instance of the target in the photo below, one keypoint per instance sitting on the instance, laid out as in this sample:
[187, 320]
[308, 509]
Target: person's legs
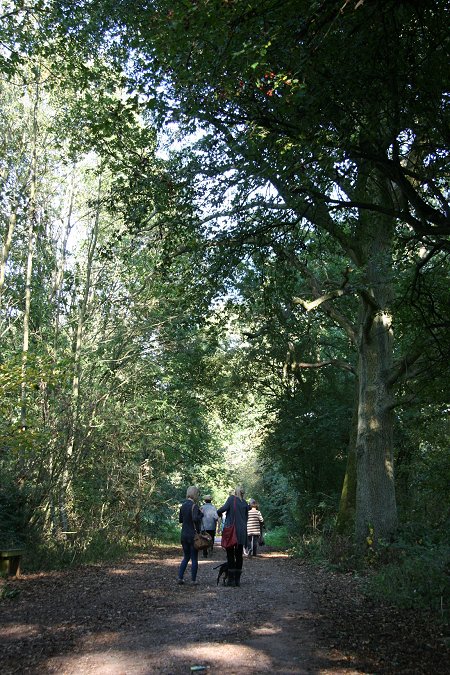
[212, 533]
[194, 562]
[186, 558]
[231, 560]
[210, 548]
[254, 543]
[239, 561]
[238, 553]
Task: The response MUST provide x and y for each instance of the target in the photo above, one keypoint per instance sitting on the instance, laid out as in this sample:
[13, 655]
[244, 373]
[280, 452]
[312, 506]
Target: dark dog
[223, 571]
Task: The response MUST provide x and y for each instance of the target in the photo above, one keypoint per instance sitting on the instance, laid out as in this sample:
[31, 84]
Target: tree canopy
[224, 231]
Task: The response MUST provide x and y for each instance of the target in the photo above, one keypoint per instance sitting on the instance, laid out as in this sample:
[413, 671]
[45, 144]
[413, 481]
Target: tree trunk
[65, 497]
[347, 505]
[61, 265]
[6, 248]
[56, 293]
[32, 216]
[375, 494]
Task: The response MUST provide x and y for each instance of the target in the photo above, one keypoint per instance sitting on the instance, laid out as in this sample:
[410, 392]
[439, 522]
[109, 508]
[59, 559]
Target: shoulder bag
[202, 540]
[229, 537]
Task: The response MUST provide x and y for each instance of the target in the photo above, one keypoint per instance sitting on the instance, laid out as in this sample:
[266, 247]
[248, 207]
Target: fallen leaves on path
[131, 618]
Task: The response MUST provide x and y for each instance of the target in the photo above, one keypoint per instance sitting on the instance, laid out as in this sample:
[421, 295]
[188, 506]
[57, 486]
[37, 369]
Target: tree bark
[59, 516]
[32, 217]
[66, 498]
[6, 248]
[347, 504]
[375, 494]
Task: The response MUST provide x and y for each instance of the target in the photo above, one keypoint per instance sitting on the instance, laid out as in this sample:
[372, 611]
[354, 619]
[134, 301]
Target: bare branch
[321, 364]
[403, 368]
[325, 306]
[308, 306]
[246, 207]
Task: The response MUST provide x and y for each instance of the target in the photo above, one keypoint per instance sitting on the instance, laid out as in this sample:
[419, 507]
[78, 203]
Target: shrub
[12, 518]
[419, 578]
[278, 537]
[310, 547]
[51, 554]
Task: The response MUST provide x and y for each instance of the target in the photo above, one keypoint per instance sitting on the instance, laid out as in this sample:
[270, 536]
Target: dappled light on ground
[20, 631]
[133, 619]
[225, 658]
[267, 630]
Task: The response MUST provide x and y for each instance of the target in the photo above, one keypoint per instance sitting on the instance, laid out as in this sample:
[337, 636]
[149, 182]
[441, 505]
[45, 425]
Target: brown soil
[133, 619]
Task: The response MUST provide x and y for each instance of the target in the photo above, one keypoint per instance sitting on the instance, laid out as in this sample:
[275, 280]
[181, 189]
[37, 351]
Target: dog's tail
[217, 566]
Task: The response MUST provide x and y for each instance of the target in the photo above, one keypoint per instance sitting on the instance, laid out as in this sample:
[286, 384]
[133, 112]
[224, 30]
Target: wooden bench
[10, 561]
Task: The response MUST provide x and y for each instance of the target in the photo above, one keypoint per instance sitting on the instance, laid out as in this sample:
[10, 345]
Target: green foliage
[278, 499]
[309, 441]
[329, 549]
[160, 522]
[183, 349]
[40, 373]
[411, 572]
[118, 364]
[7, 592]
[12, 514]
[417, 577]
[279, 537]
[55, 553]
[423, 469]
[284, 90]
[311, 547]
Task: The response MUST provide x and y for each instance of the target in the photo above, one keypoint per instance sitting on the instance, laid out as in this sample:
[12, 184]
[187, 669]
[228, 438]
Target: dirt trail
[132, 619]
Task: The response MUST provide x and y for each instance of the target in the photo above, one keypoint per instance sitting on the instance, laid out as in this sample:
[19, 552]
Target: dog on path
[223, 571]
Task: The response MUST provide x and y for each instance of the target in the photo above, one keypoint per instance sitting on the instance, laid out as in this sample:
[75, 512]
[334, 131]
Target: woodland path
[131, 618]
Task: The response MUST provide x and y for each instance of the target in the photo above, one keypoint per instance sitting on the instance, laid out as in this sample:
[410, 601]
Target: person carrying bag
[234, 534]
[190, 517]
[202, 540]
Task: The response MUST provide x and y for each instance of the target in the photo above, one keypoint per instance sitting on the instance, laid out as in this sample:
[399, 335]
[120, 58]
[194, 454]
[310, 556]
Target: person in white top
[209, 522]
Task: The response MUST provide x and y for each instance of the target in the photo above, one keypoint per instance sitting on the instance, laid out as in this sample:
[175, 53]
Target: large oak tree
[332, 114]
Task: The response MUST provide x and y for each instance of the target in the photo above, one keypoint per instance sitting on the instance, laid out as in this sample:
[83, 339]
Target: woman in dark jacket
[237, 512]
[191, 518]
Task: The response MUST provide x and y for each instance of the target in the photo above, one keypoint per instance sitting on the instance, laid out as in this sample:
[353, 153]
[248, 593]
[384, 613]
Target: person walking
[190, 517]
[209, 522]
[254, 524]
[236, 509]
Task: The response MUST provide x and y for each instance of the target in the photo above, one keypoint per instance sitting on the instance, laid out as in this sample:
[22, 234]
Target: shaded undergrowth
[412, 572]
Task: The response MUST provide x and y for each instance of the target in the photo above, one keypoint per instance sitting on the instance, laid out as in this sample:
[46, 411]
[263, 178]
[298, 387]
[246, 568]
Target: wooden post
[10, 561]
